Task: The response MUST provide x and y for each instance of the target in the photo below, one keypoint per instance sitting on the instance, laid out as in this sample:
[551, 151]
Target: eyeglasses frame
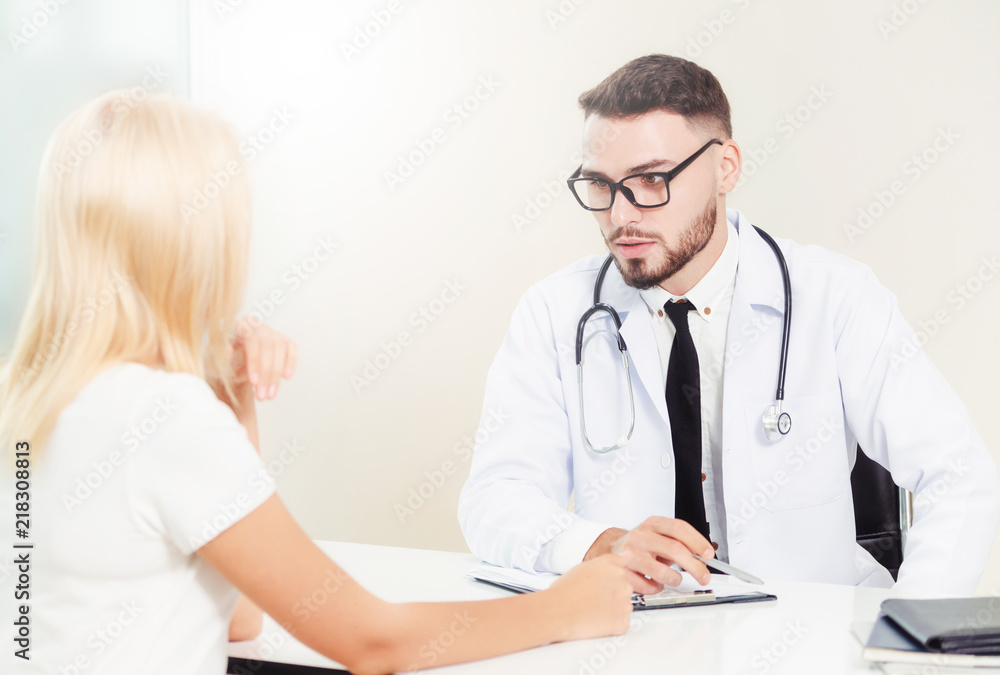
[620, 187]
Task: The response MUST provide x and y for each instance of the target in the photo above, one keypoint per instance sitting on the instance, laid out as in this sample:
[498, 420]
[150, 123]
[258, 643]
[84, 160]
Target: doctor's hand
[261, 357]
[652, 547]
[595, 598]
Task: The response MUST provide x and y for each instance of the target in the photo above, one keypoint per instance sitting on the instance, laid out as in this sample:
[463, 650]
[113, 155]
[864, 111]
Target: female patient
[129, 379]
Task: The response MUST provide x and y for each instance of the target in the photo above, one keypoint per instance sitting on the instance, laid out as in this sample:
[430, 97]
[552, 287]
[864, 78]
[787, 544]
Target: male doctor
[700, 296]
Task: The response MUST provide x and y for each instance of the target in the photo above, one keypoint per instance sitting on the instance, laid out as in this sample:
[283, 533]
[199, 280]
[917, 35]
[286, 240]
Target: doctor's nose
[623, 211]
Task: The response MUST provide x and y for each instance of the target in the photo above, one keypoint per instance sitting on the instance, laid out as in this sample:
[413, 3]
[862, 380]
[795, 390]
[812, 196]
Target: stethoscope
[776, 423]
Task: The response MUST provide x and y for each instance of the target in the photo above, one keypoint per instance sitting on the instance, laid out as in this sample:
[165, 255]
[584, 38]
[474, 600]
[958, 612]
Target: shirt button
[703, 477]
[715, 546]
[665, 460]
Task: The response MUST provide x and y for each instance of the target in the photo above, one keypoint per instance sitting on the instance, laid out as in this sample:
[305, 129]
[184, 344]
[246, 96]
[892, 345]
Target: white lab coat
[855, 374]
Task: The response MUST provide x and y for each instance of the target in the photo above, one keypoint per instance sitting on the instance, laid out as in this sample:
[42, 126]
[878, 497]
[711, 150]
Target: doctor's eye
[650, 179]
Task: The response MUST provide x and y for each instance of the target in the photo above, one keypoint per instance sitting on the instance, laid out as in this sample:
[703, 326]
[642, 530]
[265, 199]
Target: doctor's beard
[637, 272]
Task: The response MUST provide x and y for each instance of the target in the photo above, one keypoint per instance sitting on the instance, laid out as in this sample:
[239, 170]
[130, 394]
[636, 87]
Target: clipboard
[688, 594]
[669, 598]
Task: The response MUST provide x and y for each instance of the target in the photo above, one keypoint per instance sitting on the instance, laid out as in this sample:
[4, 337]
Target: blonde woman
[134, 387]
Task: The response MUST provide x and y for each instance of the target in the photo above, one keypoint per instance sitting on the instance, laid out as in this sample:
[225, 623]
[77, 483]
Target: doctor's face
[650, 245]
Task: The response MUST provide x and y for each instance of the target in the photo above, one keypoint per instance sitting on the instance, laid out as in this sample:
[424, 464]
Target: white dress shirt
[712, 296]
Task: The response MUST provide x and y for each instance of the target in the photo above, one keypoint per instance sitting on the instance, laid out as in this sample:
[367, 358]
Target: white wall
[54, 57]
[324, 176]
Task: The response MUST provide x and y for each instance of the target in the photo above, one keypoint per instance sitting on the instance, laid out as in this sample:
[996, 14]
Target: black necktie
[684, 409]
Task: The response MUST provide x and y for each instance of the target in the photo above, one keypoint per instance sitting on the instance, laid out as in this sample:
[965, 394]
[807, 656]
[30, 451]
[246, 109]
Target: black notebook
[888, 644]
[951, 626]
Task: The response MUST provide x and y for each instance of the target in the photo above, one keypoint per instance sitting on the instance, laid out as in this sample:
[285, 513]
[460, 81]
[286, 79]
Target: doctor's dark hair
[661, 82]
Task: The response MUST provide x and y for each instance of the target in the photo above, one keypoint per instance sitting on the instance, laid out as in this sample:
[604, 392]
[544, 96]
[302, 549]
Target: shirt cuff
[567, 548]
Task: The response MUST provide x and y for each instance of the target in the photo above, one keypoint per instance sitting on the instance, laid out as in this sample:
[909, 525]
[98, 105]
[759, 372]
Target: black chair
[883, 512]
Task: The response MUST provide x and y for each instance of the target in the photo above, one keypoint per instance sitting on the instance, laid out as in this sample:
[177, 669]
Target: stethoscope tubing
[606, 308]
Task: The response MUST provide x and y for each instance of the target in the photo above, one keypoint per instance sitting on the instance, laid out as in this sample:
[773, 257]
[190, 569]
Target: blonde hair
[143, 228]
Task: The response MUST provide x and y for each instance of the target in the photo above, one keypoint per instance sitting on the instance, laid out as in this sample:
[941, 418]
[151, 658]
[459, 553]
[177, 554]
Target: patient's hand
[261, 356]
[595, 597]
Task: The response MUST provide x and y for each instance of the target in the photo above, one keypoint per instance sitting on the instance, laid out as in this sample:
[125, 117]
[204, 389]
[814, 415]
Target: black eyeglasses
[645, 190]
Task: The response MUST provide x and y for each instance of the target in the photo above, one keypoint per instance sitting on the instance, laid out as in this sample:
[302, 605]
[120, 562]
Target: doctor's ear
[731, 166]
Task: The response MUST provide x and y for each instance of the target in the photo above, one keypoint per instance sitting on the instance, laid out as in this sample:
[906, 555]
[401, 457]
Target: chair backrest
[882, 512]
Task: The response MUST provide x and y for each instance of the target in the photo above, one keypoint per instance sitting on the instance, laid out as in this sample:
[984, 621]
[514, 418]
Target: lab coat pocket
[808, 466]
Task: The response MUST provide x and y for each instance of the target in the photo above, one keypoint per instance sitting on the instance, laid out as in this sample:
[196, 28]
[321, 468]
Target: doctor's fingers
[672, 551]
[682, 531]
[640, 584]
[659, 574]
[665, 547]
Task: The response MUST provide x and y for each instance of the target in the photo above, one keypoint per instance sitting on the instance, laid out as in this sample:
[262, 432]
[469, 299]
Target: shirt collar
[711, 288]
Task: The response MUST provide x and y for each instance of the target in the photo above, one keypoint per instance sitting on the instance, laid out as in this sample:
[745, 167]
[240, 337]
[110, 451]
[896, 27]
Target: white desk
[806, 631]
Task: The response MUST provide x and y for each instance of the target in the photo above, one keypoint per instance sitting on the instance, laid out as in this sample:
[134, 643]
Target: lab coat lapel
[738, 372]
[758, 289]
[641, 342]
[758, 273]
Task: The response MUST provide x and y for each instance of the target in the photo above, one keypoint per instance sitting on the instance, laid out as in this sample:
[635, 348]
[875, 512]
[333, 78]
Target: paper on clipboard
[512, 579]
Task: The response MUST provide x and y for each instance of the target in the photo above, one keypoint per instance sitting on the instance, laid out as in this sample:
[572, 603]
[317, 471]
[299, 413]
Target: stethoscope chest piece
[776, 423]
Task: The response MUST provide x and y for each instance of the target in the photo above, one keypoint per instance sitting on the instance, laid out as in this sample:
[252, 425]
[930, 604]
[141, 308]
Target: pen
[729, 569]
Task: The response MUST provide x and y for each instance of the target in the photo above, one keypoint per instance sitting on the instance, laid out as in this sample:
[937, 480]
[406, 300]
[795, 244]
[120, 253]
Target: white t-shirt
[142, 469]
